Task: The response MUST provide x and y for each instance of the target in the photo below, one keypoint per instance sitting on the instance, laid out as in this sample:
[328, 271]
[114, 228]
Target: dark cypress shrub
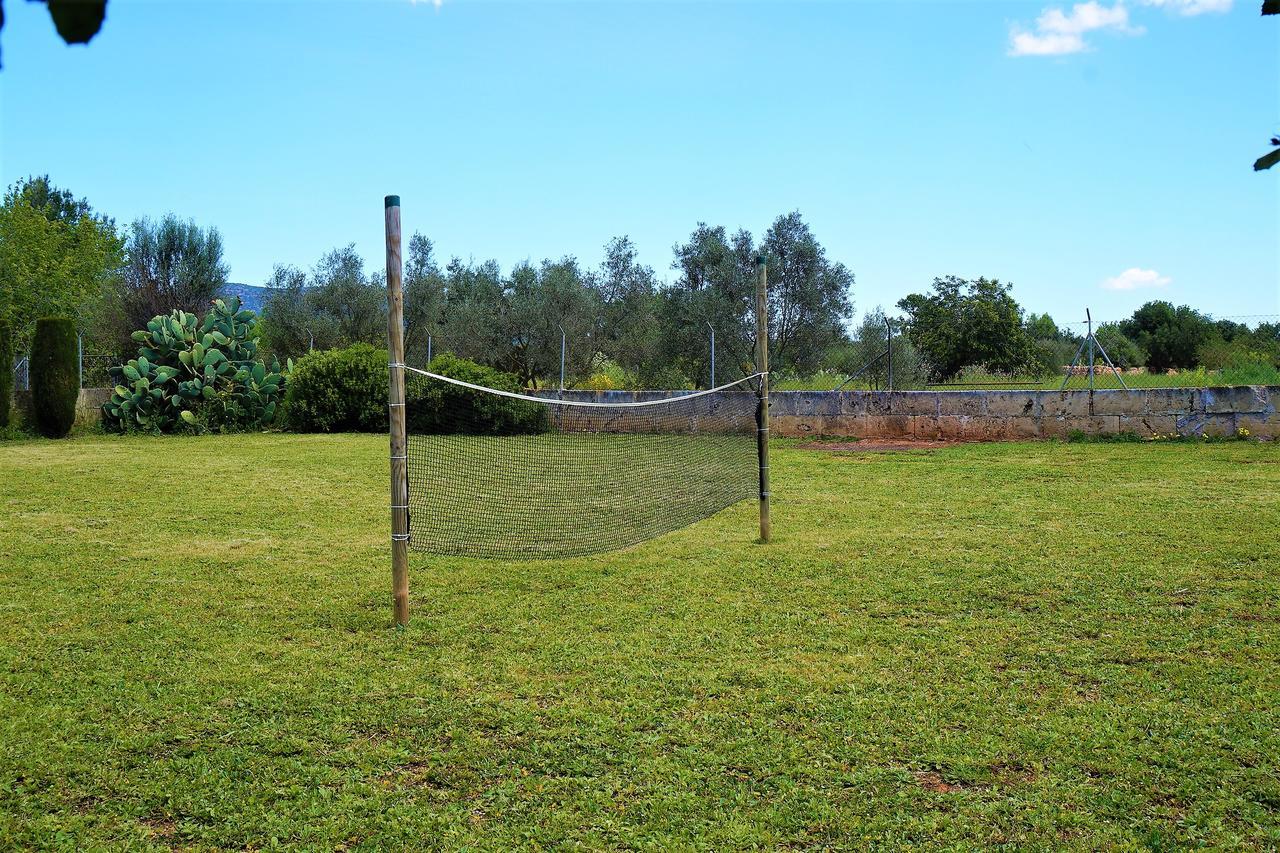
[6, 374]
[55, 379]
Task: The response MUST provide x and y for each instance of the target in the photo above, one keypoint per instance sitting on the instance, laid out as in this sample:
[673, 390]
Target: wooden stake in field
[762, 365]
[399, 446]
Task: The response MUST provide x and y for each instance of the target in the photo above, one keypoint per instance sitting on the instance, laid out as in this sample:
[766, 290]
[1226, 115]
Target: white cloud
[1058, 33]
[1135, 278]
[1188, 8]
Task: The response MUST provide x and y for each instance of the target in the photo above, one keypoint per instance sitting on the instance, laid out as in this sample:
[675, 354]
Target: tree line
[623, 325]
[963, 323]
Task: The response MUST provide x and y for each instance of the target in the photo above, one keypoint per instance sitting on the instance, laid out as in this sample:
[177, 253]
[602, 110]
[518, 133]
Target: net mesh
[503, 475]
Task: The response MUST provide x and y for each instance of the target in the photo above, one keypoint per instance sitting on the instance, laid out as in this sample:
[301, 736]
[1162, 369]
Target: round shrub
[6, 374]
[55, 376]
[339, 390]
[439, 407]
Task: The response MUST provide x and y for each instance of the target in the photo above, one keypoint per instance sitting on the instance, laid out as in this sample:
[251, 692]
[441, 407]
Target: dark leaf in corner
[78, 21]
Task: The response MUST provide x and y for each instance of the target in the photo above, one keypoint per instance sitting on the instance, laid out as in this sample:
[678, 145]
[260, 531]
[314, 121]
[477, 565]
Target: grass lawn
[1037, 645]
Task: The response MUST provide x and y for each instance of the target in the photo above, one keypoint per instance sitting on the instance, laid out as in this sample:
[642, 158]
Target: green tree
[810, 297]
[424, 300]
[55, 382]
[291, 327]
[475, 321]
[542, 301]
[337, 305]
[6, 374]
[357, 304]
[1169, 336]
[56, 257]
[173, 265]
[809, 300]
[965, 322]
[1122, 351]
[626, 293]
[866, 358]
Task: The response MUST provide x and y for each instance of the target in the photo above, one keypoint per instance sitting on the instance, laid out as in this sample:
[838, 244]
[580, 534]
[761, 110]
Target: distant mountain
[252, 296]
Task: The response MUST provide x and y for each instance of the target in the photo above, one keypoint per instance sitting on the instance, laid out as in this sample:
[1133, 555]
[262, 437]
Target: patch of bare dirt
[931, 781]
[872, 445]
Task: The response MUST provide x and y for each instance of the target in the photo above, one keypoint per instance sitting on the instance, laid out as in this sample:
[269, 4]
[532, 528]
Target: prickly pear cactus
[196, 374]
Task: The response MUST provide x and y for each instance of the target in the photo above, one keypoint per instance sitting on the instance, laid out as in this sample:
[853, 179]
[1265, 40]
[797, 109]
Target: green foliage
[1169, 336]
[1250, 373]
[56, 257]
[339, 390]
[809, 301]
[6, 374]
[608, 376]
[1122, 351]
[173, 265]
[970, 323]
[439, 407]
[335, 306]
[193, 374]
[865, 363]
[55, 377]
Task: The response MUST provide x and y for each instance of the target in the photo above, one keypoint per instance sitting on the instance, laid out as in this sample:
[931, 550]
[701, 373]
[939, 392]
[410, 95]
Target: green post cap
[393, 201]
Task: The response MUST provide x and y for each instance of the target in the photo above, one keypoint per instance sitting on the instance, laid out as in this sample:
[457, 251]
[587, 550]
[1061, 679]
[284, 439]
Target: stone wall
[1005, 415]
[88, 405]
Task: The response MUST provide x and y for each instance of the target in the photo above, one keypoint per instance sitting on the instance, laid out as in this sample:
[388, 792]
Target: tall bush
[196, 374]
[55, 378]
[340, 390]
[6, 374]
[440, 407]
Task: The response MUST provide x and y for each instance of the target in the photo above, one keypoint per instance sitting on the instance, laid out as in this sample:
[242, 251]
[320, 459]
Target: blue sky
[1094, 154]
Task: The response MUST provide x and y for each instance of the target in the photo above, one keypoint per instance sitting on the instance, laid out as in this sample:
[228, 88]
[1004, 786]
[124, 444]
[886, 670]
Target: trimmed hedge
[6, 374]
[438, 407]
[55, 376]
[339, 390]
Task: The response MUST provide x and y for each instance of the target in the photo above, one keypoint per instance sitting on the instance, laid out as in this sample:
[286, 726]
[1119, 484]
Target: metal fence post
[562, 337]
[888, 350]
[713, 353]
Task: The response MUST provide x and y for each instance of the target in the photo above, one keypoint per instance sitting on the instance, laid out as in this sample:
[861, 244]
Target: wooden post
[762, 412]
[399, 448]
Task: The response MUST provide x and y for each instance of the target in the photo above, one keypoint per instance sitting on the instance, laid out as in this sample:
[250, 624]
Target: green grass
[1037, 645]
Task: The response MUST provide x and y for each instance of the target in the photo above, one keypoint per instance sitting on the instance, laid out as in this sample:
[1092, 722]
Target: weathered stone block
[1207, 423]
[793, 426]
[1240, 398]
[1063, 404]
[1010, 404]
[959, 402]
[972, 428]
[888, 426]
[913, 403]
[1062, 428]
[878, 402]
[853, 403]
[1167, 401]
[1259, 426]
[925, 428]
[1149, 426]
[1022, 428]
[1119, 402]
